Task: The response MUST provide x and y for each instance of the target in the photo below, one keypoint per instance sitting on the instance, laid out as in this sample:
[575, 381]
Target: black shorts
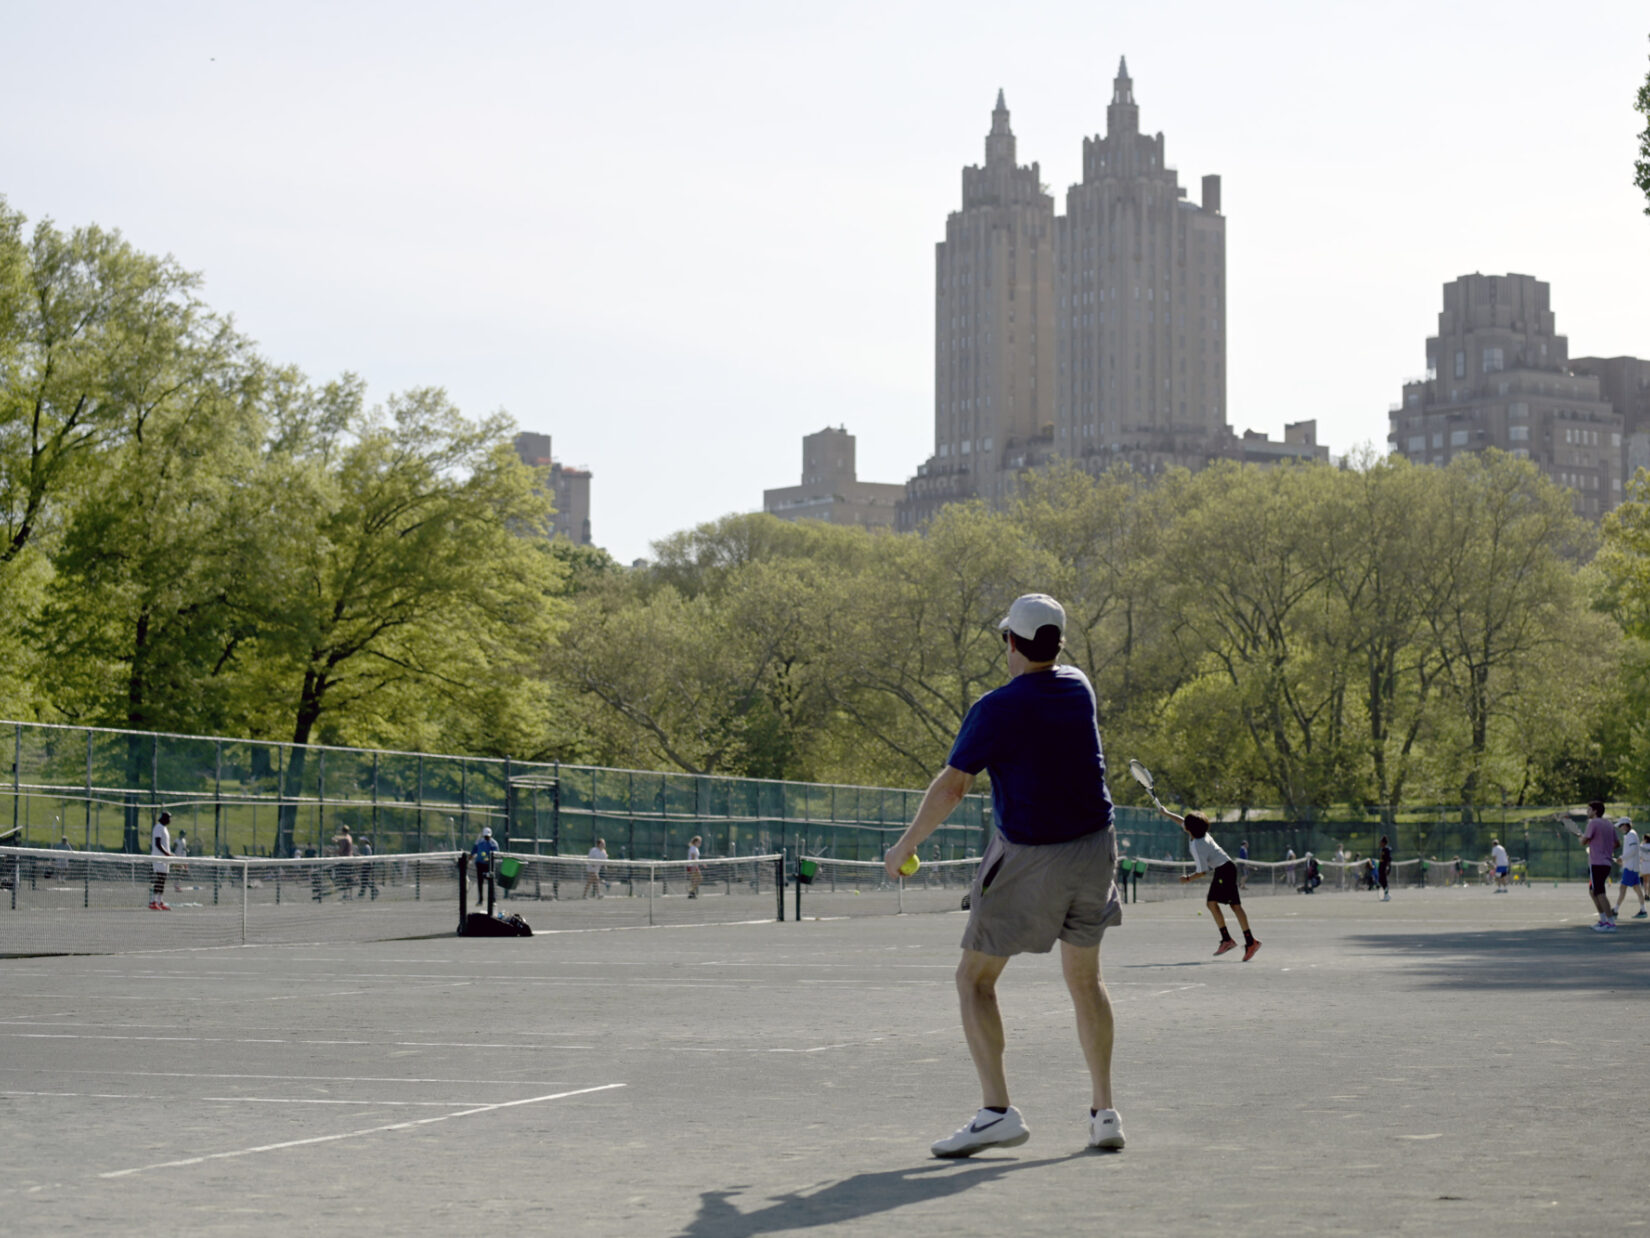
[1223, 888]
[1601, 879]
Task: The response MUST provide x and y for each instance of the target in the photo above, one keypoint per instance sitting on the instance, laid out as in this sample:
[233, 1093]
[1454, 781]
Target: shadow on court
[1571, 958]
[862, 1195]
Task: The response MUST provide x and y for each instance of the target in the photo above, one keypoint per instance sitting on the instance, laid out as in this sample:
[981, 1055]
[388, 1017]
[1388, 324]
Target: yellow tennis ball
[910, 866]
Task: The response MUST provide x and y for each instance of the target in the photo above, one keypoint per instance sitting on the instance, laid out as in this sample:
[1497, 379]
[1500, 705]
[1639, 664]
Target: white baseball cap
[1032, 611]
[487, 831]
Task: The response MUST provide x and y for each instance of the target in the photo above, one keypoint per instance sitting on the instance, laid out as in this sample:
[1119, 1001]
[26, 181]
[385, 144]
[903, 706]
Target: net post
[899, 895]
[245, 888]
[797, 911]
[779, 884]
[650, 871]
[463, 863]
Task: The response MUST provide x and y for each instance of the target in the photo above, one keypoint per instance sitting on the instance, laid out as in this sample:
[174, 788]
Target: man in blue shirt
[1049, 872]
[483, 852]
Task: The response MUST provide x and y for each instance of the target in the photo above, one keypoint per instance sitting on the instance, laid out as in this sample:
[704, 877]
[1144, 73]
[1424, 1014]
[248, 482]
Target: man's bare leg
[983, 1023]
[1095, 1028]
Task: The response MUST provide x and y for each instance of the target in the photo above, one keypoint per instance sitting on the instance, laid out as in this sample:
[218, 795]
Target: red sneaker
[153, 906]
[1224, 946]
[1249, 950]
[162, 907]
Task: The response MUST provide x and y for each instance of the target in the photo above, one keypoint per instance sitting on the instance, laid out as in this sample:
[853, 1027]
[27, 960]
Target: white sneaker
[1604, 926]
[987, 1130]
[1106, 1131]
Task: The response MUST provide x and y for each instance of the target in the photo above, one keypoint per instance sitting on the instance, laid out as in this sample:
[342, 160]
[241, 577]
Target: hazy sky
[677, 237]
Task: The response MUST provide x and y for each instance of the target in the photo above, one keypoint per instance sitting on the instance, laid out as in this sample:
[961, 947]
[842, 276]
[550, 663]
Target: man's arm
[943, 795]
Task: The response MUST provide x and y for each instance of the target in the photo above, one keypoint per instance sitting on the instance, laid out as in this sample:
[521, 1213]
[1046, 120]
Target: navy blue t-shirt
[1038, 737]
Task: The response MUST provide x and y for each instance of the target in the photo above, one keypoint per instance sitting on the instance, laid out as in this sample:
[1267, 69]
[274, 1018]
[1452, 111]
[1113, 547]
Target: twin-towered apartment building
[1097, 335]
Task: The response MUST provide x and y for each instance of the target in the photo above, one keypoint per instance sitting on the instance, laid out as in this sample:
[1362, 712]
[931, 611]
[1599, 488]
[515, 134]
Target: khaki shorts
[1025, 898]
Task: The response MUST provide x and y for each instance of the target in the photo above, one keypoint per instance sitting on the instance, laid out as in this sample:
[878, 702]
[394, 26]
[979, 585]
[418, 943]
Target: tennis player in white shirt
[1499, 862]
[1223, 884]
[1632, 867]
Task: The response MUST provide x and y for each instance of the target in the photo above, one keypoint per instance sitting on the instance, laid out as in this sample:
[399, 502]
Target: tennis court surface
[1451, 1062]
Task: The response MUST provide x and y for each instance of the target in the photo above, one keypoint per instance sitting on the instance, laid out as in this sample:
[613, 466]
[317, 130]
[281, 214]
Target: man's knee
[977, 973]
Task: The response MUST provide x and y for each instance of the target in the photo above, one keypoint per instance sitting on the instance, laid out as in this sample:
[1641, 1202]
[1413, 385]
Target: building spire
[1122, 117]
[999, 117]
[1122, 90]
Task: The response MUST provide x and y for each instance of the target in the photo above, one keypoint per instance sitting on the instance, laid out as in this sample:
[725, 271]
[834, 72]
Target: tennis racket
[1143, 776]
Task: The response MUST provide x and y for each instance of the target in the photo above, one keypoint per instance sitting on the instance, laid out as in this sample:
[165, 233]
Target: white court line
[39, 1069]
[371, 1130]
[234, 1040]
[248, 1100]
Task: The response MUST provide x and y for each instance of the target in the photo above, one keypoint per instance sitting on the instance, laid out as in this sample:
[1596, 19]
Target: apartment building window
[1518, 434]
[1416, 442]
[1492, 360]
[1438, 439]
[1458, 438]
[1460, 363]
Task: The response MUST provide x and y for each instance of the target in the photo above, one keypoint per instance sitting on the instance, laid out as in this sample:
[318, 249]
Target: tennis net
[863, 887]
[576, 892]
[1157, 880]
[89, 902]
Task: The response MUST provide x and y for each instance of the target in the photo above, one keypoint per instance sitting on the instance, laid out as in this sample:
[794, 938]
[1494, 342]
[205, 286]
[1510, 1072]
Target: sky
[677, 238]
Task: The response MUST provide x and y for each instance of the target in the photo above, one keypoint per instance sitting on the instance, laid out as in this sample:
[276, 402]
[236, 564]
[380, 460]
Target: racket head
[1142, 775]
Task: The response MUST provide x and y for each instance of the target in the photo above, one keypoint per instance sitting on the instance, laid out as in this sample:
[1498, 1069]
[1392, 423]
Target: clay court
[1452, 1062]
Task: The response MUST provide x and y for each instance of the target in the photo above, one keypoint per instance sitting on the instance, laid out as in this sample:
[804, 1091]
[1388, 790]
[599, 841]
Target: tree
[1508, 544]
[1641, 166]
[1247, 564]
[91, 333]
[415, 567]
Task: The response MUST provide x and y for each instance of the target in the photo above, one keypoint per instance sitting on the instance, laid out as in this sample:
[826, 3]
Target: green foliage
[1641, 166]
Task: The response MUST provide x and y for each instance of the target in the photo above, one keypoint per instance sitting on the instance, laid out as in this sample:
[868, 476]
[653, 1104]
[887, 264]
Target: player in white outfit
[160, 846]
[1499, 862]
[1632, 867]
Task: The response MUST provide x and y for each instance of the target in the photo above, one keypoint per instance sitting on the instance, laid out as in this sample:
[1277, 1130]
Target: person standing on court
[1501, 864]
[1631, 868]
[1385, 870]
[1600, 840]
[1048, 873]
[695, 875]
[160, 847]
[483, 851]
[593, 869]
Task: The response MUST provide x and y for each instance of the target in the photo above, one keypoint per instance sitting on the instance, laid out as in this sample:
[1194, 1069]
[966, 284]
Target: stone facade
[569, 487]
[1625, 383]
[1498, 375]
[1141, 291]
[831, 490]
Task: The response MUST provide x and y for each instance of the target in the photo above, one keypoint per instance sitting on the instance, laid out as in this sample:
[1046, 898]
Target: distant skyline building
[569, 488]
[994, 329]
[1499, 375]
[1098, 335]
[1142, 304]
[1624, 382]
[831, 490]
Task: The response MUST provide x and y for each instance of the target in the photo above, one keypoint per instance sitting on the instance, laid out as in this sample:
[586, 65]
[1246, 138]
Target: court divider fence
[98, 789]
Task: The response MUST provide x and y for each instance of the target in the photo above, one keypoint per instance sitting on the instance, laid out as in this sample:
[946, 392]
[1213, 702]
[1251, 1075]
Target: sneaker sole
[1108, 1145]
[1013, 1142]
